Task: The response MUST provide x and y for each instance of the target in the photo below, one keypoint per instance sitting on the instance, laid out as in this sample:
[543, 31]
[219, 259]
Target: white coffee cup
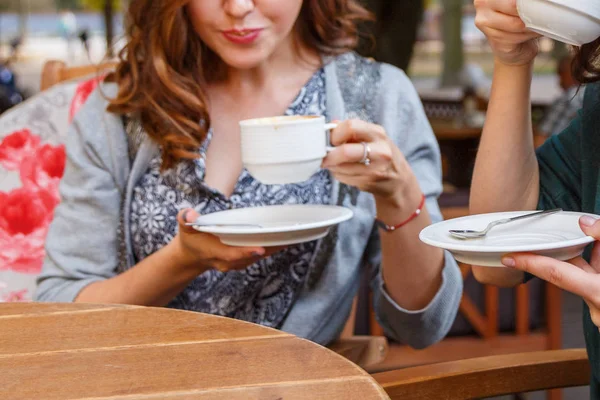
[285, 149]
[574, 22]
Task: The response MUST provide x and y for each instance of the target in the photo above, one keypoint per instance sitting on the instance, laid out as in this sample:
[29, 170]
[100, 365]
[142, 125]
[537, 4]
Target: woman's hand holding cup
[512, 43]
[366, 158]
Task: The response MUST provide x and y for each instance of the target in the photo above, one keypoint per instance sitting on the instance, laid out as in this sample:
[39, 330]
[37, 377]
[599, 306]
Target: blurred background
[435, 41]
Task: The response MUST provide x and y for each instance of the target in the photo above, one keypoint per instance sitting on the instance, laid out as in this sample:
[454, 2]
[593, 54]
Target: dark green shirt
[569, 178]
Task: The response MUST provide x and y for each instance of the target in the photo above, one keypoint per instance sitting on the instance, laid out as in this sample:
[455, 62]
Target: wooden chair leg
[351, 323]
[555, 394]
[492, 293]
[374, 328]
[553, 316]
[522, 311]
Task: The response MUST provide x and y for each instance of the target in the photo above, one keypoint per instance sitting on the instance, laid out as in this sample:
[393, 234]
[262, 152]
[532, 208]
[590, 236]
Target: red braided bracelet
[392, 228]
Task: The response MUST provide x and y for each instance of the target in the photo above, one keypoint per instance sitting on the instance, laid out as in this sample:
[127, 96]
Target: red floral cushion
[32, 162]
[26, 212]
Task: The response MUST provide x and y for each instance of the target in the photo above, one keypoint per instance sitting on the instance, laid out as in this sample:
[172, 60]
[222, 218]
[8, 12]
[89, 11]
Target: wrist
[405, 198]
[394, 214]
[501, 67]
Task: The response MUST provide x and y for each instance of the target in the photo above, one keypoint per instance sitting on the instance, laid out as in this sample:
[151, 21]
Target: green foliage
[89, 5]
[98, 5]
[68, 4]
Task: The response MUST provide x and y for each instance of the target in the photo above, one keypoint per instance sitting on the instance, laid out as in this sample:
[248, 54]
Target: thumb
[187, 215]
[590, 226]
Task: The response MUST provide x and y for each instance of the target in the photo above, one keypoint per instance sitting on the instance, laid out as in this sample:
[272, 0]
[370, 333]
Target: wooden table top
[82, 351]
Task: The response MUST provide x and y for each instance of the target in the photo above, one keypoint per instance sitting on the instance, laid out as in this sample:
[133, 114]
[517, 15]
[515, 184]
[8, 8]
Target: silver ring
[367, 152]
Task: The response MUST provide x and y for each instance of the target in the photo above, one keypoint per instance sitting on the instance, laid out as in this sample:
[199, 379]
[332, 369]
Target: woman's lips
[242, 36]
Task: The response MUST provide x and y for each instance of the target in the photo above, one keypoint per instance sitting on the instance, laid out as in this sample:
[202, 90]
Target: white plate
[280, 225]
[556, 235]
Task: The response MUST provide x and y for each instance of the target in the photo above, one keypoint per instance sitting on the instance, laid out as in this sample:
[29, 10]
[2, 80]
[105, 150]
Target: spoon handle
[225, 224]
[543, 212]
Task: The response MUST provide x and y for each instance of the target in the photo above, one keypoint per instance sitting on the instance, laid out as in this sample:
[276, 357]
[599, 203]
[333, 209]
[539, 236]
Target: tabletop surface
[82, 351]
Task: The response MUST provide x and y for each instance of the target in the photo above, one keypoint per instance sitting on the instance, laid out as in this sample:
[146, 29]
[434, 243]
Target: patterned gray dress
[264, 292]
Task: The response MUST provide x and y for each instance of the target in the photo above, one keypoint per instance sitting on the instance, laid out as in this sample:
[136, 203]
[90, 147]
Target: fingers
[185, 216]
[493, 18]
[508, 7]
[356, 131]
[232, 254]
[354, 169]
[564, 275]
[582, 264]
[590, 226]
[353, 153]
[211, 244]
[595, 258]
[350, 152]
[509, 38]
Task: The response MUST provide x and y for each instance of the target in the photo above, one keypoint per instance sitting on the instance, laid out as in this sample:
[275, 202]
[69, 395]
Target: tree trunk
[108, 21]
[453, 55]
[23, 8]
[395, 30]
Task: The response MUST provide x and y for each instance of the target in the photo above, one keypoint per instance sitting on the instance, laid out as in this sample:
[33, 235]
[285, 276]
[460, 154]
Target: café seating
[479, 330]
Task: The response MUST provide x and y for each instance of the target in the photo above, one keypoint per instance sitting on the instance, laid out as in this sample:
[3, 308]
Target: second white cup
[574, 22]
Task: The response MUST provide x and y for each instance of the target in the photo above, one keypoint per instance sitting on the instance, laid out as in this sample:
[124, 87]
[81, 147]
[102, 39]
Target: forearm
[506, 157]
[155, 281]
[412, 271]
[506, 175]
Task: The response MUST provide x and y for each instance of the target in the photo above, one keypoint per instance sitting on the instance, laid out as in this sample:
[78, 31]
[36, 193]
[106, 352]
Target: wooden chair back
[55, 72]
[489, 376]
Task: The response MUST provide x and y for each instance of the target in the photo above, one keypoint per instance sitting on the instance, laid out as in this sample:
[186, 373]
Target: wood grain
[30, 309]
[342, 389]
[96, 328]
[75, 351]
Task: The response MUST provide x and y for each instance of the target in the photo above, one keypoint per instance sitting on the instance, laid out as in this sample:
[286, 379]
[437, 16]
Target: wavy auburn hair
[164, 66]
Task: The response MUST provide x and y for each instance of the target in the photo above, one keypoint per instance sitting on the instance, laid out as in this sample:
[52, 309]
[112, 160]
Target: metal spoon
[470, 234]
[232, 224]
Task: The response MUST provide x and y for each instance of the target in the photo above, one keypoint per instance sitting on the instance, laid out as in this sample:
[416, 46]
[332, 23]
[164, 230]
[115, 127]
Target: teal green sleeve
[559, 161]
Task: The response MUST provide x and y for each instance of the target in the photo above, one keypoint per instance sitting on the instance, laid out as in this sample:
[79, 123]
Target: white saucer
[280, 225]
[556, 235]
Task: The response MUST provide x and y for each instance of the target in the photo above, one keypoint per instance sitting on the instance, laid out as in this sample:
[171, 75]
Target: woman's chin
[244, 61]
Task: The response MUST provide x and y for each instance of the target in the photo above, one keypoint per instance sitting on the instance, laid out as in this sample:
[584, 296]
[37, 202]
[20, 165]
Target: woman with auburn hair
[564, 173]
[159, 144]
